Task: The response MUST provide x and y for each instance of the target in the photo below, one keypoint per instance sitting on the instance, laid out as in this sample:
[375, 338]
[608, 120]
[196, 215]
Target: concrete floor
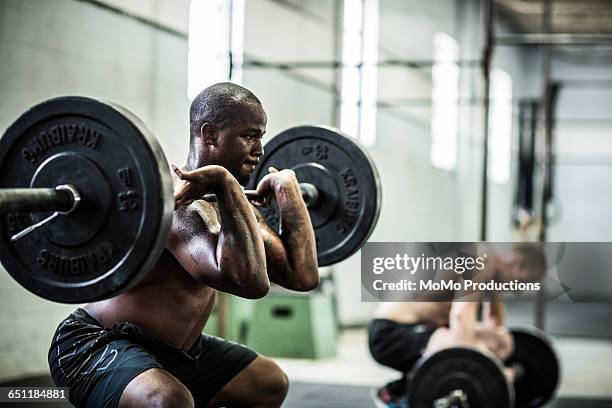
[586, 365]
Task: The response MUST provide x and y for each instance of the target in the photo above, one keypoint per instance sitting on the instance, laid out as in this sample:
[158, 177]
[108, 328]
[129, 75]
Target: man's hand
[497, 338]
[275, 182]
[192, 185]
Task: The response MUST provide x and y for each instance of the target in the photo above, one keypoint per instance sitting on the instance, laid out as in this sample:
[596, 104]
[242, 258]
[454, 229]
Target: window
[216, 31]
[445, 100]
[500, 127]
[360, 70]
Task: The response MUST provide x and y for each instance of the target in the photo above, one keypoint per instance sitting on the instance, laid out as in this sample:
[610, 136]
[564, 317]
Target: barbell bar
[309, 192]
[36, 199]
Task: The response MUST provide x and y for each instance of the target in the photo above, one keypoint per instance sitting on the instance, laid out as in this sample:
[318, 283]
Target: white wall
[172, 14]
[64, 47]
[278, 33]
[584, 152]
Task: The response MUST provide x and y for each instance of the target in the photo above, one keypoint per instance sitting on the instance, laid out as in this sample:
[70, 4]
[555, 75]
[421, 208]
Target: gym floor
[585, 379]
[586, 371]
[346, 380]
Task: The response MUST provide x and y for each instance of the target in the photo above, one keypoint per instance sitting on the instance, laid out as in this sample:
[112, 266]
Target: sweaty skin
[225, 245]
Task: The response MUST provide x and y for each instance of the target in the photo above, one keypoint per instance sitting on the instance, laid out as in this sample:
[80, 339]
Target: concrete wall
[66, 47]
[300, 31]
[584, 152]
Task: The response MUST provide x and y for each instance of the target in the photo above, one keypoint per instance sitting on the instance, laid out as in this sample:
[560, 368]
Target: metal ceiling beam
[537, 39]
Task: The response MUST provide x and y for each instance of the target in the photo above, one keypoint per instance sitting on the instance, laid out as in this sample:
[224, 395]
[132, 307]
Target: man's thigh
[261, 384]
[218, 362]
[397, 345]
[93, 363]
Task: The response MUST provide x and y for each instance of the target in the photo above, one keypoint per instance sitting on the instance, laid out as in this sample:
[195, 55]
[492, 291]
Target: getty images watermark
[445, 271]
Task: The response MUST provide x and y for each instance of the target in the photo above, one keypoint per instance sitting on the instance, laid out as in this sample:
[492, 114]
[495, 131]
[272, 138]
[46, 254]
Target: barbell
[462, 377]
[86, 196]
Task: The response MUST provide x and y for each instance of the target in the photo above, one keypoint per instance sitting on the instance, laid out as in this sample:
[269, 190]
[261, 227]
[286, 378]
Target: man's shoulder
[199, 210]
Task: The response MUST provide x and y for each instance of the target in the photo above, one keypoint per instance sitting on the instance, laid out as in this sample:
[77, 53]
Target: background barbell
[465, 377]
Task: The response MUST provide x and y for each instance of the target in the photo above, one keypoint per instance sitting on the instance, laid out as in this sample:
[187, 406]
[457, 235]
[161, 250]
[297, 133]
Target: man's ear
[208, 132]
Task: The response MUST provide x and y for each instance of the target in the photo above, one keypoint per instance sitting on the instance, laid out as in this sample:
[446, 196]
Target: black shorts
[98, 363]
[397, 345]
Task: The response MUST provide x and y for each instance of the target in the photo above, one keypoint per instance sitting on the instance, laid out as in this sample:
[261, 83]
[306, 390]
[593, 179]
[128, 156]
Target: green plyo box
[294, 326]
[238, 315]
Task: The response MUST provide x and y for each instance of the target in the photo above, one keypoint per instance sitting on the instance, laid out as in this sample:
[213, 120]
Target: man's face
[239, 144]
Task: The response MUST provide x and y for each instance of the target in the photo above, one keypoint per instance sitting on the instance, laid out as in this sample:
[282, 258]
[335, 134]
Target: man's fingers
[177, 171]
[272, 169]
[181, 192]
[180, 200]
[183, 175]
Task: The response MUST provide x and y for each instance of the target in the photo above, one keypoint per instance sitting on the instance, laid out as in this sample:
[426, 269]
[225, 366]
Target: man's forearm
[493, 308]
[298, 237]
[240, 248]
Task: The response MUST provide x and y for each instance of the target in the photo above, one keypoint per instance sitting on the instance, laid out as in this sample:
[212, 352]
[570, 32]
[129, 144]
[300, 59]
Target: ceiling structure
[568, 16]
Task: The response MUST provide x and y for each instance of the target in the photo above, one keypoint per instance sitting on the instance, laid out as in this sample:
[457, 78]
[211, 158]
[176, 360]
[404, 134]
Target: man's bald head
[221, 104]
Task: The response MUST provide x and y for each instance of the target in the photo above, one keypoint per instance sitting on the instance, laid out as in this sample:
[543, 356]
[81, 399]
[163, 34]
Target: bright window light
[216, 27]
[237, 39]
[500, 126]
[369, 74]
[445, 100]
[360, 71]
[351, 59]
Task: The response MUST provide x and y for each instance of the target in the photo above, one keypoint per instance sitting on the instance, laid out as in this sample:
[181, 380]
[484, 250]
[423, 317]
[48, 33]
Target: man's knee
[168, 397]
[274, 383]
[261, 384]
[155, 388]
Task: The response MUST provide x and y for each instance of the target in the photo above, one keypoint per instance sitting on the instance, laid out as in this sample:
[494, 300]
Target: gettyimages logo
[412, 264]
[448, 271]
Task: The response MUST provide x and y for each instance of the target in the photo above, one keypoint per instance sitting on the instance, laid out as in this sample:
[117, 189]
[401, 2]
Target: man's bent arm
[230, 256]
[292, 259]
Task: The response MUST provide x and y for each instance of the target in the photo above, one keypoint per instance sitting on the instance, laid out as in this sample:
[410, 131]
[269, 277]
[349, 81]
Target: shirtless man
[402, 332]
[145, 347]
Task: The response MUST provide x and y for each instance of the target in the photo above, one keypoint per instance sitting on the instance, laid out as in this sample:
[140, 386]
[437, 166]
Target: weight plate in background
[346, 178]
[117, 233]
[534, 353]
[477, 374]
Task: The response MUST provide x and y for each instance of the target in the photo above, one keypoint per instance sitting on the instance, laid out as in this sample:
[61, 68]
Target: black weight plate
[477, 374]
[347, 181]
[534, 353]
[120, 228]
